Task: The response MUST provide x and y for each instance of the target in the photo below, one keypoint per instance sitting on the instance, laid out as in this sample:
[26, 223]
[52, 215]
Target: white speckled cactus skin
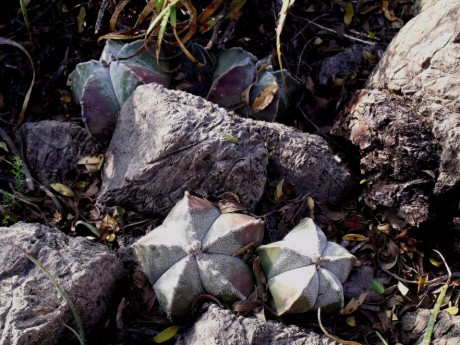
[191, 253]
[305, 271]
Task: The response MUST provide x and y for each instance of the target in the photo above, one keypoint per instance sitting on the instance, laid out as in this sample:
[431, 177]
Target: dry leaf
[279, 190]
[403, 289]
[451, 310]
[351, 321]
[62, 189]
[354, 304]
[354, 238]
[166, 334]
[81, 19]
[264, 98]
[435, 262]
[349, 13]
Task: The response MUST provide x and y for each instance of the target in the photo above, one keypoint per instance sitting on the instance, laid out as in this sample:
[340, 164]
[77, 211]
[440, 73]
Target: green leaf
[231, 138]
[377, 287]
[166, 334]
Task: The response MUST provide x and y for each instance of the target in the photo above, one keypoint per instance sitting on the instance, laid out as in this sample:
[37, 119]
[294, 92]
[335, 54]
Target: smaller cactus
[103, 86]
[250, 86]
[305, 271]
[191, 253]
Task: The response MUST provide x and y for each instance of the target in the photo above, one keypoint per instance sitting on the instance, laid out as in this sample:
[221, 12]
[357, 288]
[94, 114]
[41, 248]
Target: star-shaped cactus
[305, 271]
[191, 253]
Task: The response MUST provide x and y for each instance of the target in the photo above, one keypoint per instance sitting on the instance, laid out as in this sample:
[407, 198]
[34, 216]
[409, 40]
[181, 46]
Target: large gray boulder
[220, 326]
[168, 142]
[407, 122]
[52, 149]
[31, 309]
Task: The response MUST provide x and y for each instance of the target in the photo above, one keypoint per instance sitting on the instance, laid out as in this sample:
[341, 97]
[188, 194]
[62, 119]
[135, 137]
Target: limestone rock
[167, 142]
[423, 64]
[407, 122]
[221, 326]
[446, 330]
[31, 309]
[52, 149]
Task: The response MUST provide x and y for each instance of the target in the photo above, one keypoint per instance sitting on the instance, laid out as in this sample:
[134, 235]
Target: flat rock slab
[407, 122]
[446, 330]
[221, 326]
[168, 142]
[31, 309]
[52, 149]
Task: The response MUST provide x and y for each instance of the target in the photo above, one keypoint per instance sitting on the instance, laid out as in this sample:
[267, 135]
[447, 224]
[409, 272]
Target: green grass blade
[63, 293]
[434, 314]
[160, 16]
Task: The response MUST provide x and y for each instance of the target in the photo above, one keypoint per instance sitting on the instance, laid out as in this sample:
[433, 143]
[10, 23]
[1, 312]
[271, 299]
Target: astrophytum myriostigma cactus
[305, 271]
[103, 86]
[191, 253]
[251, 87]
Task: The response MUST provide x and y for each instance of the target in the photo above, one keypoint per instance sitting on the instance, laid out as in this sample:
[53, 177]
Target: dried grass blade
[116, 13]
[7, 41]
[344, 342]
[279, 28]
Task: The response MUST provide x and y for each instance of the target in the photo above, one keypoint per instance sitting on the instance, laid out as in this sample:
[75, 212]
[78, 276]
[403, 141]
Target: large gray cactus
[191, 253]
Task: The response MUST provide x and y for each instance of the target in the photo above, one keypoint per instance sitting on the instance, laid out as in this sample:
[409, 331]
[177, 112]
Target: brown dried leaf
[354, 304]
[264, 98]
[201, 299]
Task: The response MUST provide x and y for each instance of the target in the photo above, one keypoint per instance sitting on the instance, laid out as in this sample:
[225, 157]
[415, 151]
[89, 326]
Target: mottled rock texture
[31, 309]
[52, 149]
[446, 330]
[407, 122]
[168, 142]
[221, 326]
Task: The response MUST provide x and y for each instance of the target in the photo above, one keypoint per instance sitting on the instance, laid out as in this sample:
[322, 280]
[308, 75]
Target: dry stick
[329, 335]
[335, 32]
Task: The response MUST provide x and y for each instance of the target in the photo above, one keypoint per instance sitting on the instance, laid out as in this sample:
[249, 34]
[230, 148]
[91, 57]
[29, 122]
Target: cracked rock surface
[407, 122]
[168, 142]
[53, 148]
[32, 312]
[220, 326]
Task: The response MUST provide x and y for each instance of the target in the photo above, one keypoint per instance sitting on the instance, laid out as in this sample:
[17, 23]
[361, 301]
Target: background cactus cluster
[192, 253]
[239, 82]
[102, 86]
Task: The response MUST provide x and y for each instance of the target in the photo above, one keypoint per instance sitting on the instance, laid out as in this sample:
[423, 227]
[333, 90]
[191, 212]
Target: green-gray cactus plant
[251, 87]
[305, 271]
[191, 253]
[103, 86]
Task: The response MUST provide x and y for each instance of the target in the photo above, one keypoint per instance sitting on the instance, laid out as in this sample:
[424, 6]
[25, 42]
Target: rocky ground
[368, 149]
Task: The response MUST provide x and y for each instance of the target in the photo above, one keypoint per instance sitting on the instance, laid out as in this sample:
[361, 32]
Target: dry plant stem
[9, 42]
[335, 32]
[344, 342]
